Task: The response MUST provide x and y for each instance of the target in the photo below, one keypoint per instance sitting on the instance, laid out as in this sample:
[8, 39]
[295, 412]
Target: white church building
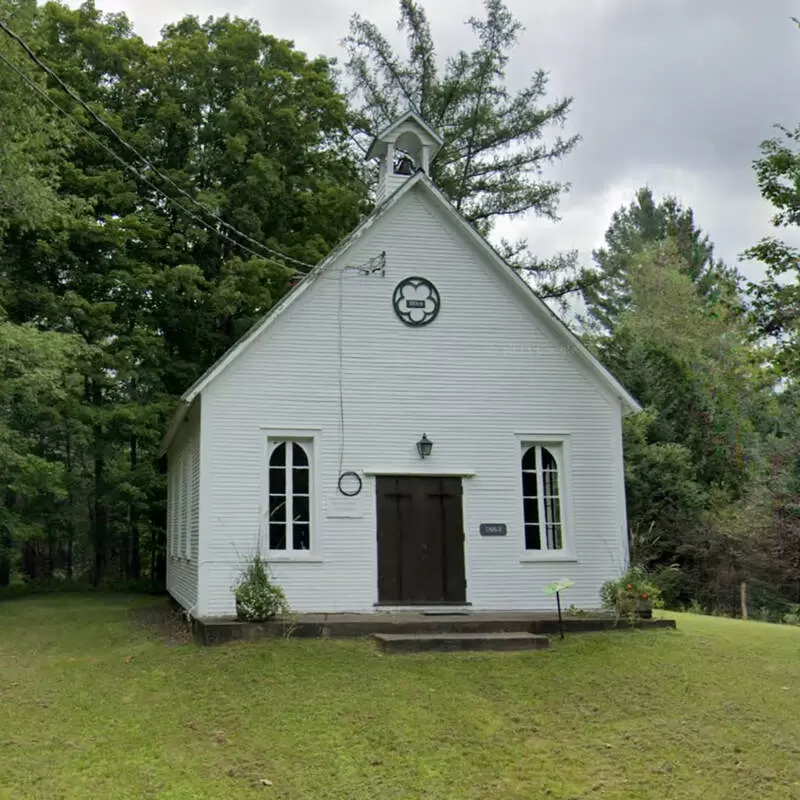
[409, 427]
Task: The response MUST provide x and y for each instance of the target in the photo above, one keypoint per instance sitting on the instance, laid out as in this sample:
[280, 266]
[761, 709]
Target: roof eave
[286, 301]
[629, 403]
[174, 426]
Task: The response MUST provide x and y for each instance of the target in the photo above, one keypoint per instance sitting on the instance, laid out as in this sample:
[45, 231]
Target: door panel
[392, 515]
[420, 540]
[455, 584]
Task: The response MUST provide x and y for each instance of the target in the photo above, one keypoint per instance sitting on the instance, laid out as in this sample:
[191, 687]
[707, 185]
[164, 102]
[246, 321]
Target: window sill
[546, 558]
[296, 559]
[422, 604]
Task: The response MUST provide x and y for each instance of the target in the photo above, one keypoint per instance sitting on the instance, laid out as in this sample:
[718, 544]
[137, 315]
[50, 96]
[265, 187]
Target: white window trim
[421, 471]
[181, 537]
[559, 445]
[296, 557]
[310, 438]
[547, 557]
[171, 509]
[188, 478]
[544, 522]
[175, 509]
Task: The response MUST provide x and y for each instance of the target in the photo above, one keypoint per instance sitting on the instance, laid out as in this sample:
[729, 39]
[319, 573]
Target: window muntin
[542, 499]
[289, 500]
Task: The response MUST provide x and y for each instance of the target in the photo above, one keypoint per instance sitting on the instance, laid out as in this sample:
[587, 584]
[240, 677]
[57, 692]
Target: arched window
[541, 499]
[289, 497]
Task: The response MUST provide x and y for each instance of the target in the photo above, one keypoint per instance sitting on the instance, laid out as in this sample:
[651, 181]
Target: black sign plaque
[493, 529]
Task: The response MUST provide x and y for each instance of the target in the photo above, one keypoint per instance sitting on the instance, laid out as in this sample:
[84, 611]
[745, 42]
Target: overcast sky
[676, 94]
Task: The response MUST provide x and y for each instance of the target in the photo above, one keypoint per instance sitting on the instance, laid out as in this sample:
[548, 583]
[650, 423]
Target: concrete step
[426, 642]
[218, 631]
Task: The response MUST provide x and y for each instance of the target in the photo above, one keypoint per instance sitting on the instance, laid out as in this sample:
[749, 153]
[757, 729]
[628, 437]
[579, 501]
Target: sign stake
[556, 589]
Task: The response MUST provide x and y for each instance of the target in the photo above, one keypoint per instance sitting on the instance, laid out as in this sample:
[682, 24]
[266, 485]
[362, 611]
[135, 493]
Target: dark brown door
[420, 540]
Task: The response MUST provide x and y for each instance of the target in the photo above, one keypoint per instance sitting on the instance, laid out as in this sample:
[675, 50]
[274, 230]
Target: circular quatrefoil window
[416, 301]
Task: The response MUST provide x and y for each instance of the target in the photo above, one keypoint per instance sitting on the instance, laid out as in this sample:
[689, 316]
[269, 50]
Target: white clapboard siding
[183, 512]
[483, 373]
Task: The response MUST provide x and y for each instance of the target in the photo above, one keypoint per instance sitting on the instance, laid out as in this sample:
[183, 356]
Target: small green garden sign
[556, 589]
[559, 586]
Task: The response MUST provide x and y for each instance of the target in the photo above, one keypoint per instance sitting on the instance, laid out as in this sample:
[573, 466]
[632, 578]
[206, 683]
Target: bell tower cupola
[402, 149]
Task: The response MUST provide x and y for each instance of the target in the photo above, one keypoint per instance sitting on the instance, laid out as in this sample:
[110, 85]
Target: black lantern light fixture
[424, 446]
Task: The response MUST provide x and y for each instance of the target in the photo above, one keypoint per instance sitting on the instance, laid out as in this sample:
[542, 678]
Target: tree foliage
[107, 248]
[125, 273]
[691, 361]
[497, 143]
[775, 316]
[41, 434]
[695, 453]
[776, 299]
[33, 139]
[606, 288]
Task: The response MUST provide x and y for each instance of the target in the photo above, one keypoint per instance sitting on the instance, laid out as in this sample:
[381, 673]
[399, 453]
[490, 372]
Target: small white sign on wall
[337, 506]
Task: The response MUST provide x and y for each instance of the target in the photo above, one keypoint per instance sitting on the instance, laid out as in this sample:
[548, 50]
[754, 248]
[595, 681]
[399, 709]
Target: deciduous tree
[776, 298]
[696, 450]
[169, 253]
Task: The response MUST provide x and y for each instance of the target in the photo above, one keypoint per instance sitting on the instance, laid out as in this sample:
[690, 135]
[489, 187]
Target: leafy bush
[671, 585]
[574, 611]
[630, 591]
[257, 597]
[695, 608]
[793, 616]
[778, 613]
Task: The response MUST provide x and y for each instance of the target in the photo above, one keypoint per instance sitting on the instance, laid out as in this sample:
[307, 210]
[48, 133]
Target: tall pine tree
[633, 229]
[497, 143]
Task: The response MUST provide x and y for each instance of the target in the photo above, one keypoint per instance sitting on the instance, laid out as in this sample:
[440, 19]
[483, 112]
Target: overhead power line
[111, 130]
[199, 220]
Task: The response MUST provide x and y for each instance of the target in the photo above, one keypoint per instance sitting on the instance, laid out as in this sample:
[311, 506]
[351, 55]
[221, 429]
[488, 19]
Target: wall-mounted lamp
[424, 446]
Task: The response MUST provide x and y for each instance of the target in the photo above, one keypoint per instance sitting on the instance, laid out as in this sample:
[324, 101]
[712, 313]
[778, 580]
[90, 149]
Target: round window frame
[416, 281]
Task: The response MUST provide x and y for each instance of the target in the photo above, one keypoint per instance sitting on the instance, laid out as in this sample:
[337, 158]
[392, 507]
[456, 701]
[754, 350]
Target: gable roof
[543, 312]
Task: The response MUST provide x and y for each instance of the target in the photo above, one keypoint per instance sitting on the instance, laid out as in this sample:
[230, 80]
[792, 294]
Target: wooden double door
[420, 540]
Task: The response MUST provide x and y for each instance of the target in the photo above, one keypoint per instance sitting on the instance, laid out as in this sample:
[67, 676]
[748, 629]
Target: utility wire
[340, 327]
[129, 167]
[199, 220]
[105, 125]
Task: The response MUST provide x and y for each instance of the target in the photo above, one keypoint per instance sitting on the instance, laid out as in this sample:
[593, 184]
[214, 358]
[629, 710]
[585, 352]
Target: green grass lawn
[96, 702]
